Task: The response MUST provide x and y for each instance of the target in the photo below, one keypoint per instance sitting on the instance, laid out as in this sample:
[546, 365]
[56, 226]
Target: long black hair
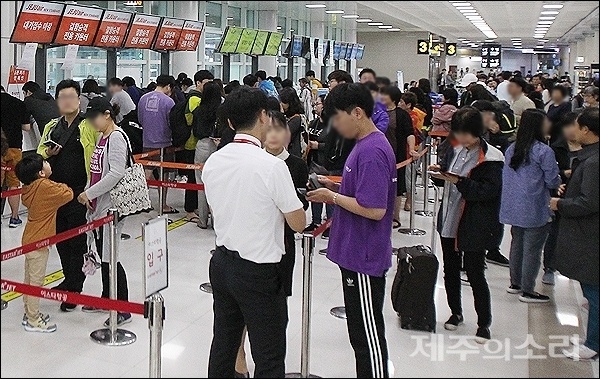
[531, 130]
[290, 97]
[211, 101]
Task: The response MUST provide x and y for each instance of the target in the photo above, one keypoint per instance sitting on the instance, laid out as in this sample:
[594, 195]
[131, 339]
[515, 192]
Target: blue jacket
[380, 117]
[526, 191]
[268, 88]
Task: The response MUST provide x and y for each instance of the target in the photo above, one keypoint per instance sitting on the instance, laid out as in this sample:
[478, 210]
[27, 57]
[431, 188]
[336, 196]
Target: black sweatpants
[122, 289]
[247, 294]
[191, 197]
[473, 263]
[71, 251]
[363, 298]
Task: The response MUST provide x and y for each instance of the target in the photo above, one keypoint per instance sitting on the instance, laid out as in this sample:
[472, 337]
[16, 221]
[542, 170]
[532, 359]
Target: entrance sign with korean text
[156, 266]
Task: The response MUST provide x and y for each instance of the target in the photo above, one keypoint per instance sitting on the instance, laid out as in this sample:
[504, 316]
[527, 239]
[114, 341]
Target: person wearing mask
[520, 102]
[90, 90]
[204, 124]
[266, 85]
[360, 242]
[367, 75]
[502, 90]
[472, 173]
[120, 99]
[318, 132]
[577, 246]
[408, 103]
[109, 161]
[14, 121]
[442, 117]
[188, 154]
[251, 195]
[557, 108]
[132, 89]
[40, 105]
[70, 154]
[402, 139]
[380, 117]
[293, 110]
[591, 98]
[530, 173]
[306, 98]
[153, 114]
[187, 85]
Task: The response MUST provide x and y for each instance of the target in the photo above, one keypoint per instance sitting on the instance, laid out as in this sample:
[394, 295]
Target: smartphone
[313, 180]
[302, 191]
[51, 144]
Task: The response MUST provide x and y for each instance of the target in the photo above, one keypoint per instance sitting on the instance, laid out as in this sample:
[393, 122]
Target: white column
[317, 30]
[267, 20]
[7, 58]
[186, 61]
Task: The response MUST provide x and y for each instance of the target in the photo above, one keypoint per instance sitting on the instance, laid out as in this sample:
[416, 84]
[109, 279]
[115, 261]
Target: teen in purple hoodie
[380, 117]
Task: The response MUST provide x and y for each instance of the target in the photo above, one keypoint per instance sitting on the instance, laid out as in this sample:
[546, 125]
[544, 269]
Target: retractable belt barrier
[11, 193]
[171, 165]
[7, 168]
[72, 297]
[28, 248]
[155, 153]
[176, 185]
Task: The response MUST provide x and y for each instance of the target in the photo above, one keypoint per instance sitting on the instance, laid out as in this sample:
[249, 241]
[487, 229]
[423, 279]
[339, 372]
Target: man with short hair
[250, 81]
[338, 77]
[251, 195]
[367, 75]
[577, 246]
[521, 102]
[40, 105]
[502, 89]
[120, 99]
[360, 239]
[131, 88]
[266, 85]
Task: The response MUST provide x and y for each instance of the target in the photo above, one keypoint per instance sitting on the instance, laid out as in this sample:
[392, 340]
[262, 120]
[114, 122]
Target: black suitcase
[414, 288]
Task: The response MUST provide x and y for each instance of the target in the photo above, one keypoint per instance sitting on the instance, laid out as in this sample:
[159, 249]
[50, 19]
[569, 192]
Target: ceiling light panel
[316, 6]
[335, 12]
[364, 20]
[471, 14]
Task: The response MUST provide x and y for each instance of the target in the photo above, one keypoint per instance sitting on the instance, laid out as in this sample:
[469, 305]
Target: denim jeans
[317, 212]
[526, 255]
[590, 292]
[204, 149]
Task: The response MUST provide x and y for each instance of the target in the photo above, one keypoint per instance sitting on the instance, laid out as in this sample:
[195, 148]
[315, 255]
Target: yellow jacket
[87, 136]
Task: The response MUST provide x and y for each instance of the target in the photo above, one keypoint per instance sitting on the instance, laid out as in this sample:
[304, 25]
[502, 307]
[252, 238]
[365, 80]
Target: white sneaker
[40, 325]
[580, 353]
[45, 317]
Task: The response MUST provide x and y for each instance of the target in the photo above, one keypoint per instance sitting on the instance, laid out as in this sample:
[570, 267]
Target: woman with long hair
[443, 117]
[530, 174]
[90, 90]
[204, 127]
[294, 111]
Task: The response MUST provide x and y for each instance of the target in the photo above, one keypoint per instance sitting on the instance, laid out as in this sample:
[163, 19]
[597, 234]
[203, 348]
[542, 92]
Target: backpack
[133, 130]
[180, 130]
[304, 136]
[505, 117]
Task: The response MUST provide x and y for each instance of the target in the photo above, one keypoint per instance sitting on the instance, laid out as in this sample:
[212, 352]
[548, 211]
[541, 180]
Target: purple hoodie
[380, 117]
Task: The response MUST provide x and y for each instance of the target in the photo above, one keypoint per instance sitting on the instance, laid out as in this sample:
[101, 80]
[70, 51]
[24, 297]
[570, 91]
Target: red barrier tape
[72, 297]
[321, 229]
[439, 134]
[18, 251]
[155, 153]
[171, 165]
[7, 168]
[10, 193]
[186, 186]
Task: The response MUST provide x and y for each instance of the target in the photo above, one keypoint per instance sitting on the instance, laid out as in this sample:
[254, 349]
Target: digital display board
[246, 41]
[37, 22]
[113, 29]
[260, 43]
[296, 46]
[168, 34]
[142, 32]
[343, 50]
[275, 40]
[230, 40]
[78, 25]
[491, 56]
[354, 52]
[337, 48]
[361, 52]
[190, 35]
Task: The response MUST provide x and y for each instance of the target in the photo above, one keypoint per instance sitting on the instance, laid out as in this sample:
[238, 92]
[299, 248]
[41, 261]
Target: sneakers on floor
[325, 235]
[40, 325]
[88, 309]
[498, 259]
[514, 290]
[66, 307]
[483, 335]
[43, 316]
[533, 298]
[454, 322]
[580, 353]
[122, 319]
[15, 223]
[548, 278]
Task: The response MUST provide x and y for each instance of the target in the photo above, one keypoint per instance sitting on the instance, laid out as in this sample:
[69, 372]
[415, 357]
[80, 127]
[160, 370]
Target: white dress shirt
[249, 190]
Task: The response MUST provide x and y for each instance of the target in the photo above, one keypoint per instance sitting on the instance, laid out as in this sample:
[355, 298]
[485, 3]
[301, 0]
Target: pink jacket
[442, 118]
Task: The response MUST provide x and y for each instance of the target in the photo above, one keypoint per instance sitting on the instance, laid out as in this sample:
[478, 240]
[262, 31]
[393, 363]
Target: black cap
[98, 105]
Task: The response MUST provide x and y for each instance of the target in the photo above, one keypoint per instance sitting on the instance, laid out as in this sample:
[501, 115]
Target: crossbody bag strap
[130, 160]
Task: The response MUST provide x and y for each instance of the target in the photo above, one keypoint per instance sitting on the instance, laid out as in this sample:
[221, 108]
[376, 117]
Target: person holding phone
[468, 220]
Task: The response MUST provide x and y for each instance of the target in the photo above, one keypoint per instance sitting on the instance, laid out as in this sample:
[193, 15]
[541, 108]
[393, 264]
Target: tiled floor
[188, 328]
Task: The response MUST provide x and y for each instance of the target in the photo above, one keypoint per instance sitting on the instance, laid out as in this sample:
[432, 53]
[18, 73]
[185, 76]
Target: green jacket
[87, 136]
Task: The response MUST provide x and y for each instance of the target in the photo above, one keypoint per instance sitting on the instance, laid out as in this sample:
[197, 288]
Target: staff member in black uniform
[251, 195]
[74, 141]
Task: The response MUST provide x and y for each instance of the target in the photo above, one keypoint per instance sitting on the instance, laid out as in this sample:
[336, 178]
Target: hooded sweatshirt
[380, 117]
[42, 198]
[42, 107]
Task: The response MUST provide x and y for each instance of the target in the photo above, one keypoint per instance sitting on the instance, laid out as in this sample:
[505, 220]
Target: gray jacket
[114, 164]
[577, 250]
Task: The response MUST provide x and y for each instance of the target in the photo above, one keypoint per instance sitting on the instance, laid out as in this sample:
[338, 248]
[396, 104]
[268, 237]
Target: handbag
[131, 196]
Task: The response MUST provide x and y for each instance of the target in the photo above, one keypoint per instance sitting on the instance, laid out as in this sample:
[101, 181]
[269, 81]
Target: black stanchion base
[4, 304]
[299, 375]
[424, 213]
[412, 232]
[323, 252]
[206, 288]
[122, 337]
[338, 312]
[125, 237]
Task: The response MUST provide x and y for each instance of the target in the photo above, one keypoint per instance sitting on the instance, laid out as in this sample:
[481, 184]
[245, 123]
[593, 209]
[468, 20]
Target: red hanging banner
[113, 29]
[78, 25]
[142, 32]
[168, 34]
[37, 22]
[190, 35]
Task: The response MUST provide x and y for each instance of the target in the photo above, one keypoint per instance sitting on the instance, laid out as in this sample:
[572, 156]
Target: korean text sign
[168, 34]
[37, 22]
[113, 29]
[78, 25]
[190, 35]
[142, 32]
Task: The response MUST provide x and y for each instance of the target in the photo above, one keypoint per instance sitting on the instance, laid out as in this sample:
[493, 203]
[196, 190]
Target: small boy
[42, 197]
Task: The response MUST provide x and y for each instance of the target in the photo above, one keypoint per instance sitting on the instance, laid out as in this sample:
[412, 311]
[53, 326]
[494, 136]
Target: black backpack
[131, 127]
[180, 131]
[505, 117]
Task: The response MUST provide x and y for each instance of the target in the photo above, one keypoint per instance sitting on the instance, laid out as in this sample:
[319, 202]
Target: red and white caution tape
[186, 186]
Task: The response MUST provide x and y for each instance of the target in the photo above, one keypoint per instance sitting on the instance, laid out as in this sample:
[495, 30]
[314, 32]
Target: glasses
[67, 97]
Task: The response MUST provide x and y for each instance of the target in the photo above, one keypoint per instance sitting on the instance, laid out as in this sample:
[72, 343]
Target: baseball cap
[98, 105]
[468, 79]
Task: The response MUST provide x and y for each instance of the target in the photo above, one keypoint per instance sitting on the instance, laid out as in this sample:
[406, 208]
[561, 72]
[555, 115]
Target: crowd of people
[503, 159]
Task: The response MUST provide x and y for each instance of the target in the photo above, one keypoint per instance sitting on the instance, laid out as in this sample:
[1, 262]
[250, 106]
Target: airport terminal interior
[143, 256]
